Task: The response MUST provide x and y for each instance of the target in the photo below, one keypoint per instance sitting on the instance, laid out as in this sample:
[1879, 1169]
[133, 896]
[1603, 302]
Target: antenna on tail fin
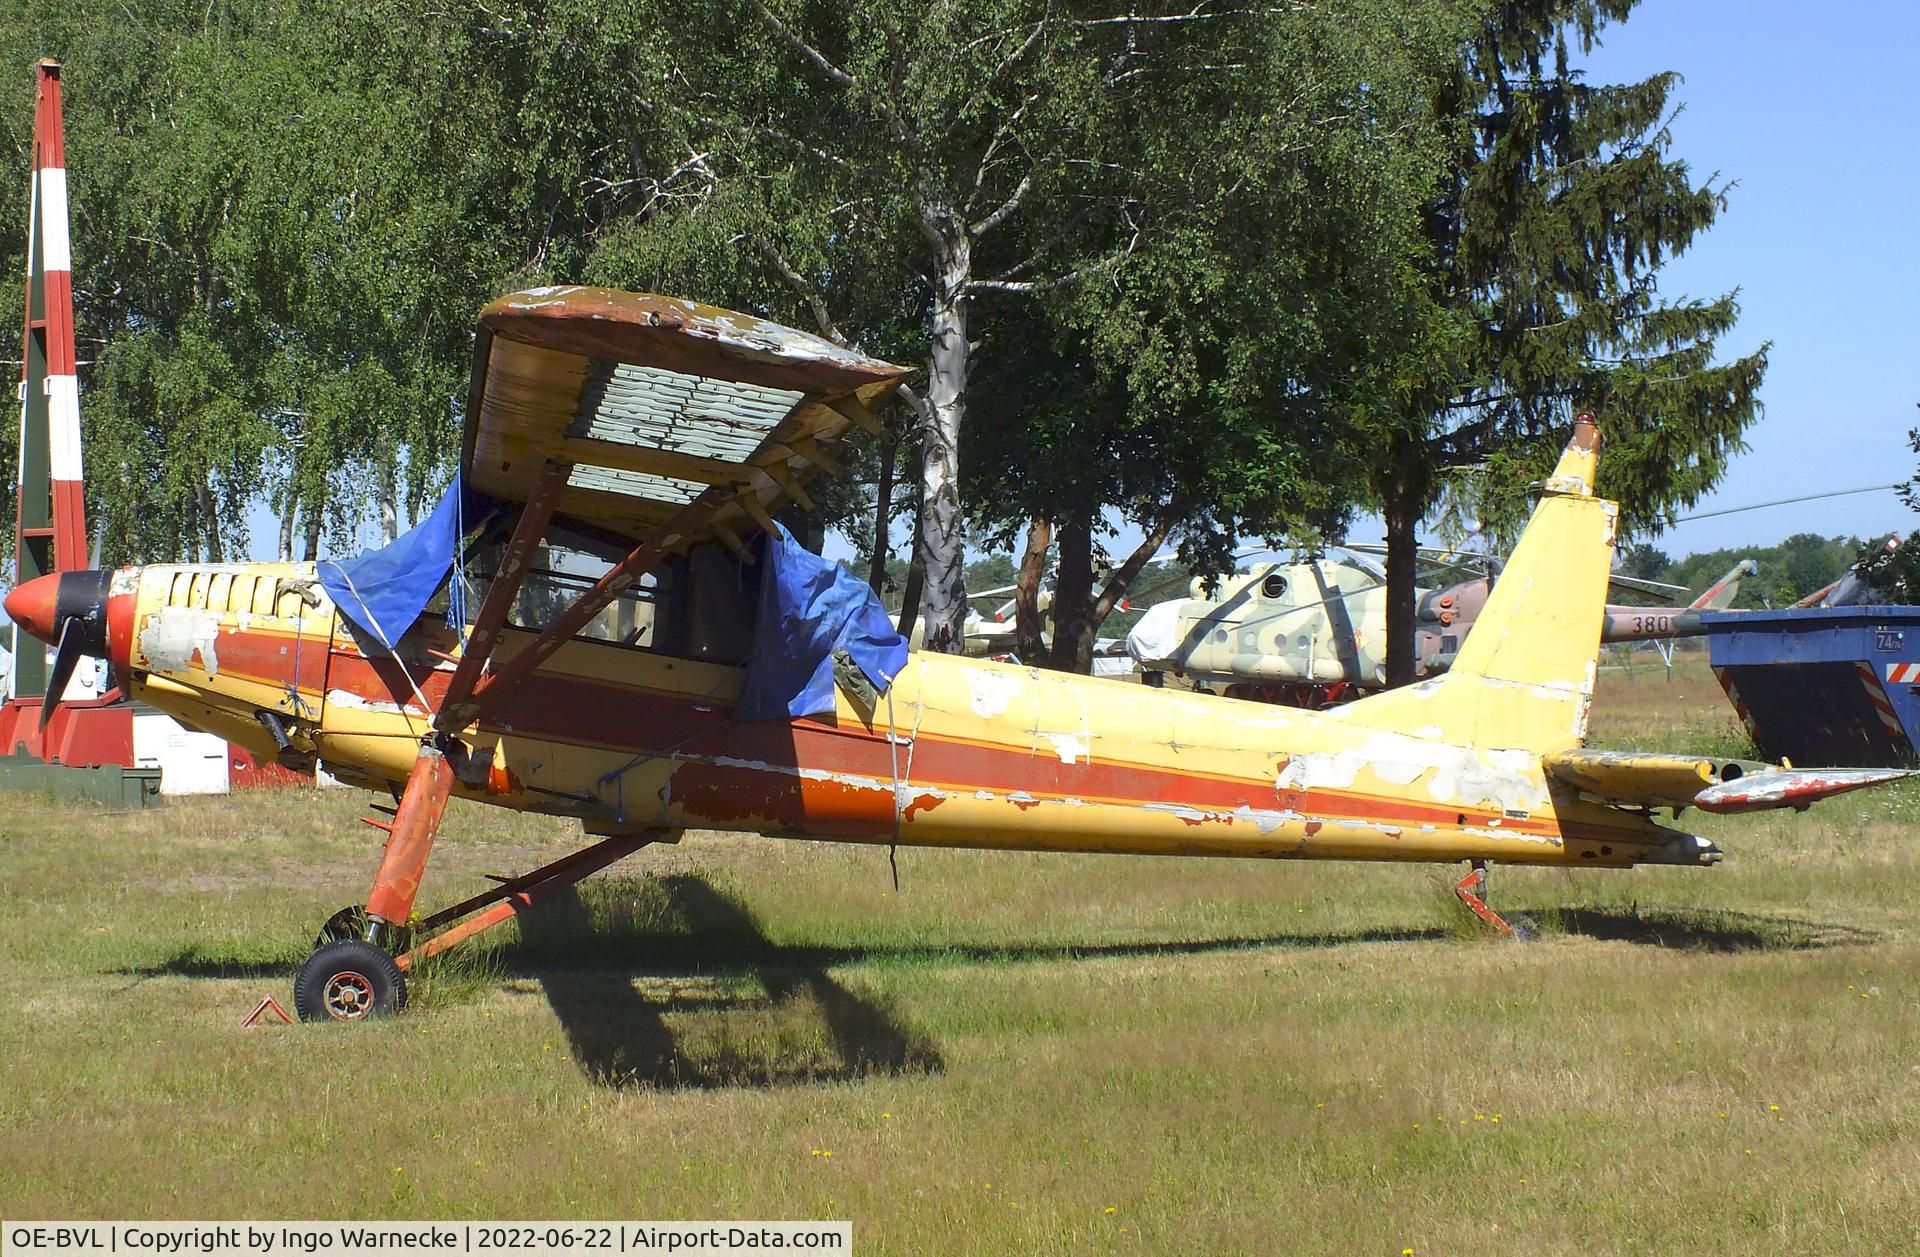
[1524, 677]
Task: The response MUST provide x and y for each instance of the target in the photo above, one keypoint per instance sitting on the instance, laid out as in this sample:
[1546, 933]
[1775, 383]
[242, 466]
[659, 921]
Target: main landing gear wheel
[348, 980]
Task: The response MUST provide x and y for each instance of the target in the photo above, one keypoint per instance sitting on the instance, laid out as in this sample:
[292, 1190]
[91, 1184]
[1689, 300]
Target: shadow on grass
[729, 943]
[807, 1028]
[198, 961]
[1711, 930]
[723, 1005]
[718, 937]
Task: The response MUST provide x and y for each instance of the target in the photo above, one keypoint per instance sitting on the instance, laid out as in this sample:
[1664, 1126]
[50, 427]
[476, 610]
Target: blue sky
[1811, 110]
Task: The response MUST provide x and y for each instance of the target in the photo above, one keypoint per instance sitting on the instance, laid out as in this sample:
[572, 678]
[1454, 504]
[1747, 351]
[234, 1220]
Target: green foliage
[286, 213]
[1201, 388]
[1567, 208]
[1540, 295]
[1644, 560]
[1892, 568]
[1789, 570]
[285, 216]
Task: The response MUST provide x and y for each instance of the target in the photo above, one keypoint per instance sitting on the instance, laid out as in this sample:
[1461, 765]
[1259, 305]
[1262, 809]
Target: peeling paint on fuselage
[973, 754]
[990, 693]
[174, 639]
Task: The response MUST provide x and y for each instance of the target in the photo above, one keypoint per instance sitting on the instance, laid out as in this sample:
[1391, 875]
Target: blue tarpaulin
[385, 590]
[809, 608]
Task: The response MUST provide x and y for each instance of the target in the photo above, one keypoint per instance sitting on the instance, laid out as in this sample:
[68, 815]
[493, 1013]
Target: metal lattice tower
[50, 533]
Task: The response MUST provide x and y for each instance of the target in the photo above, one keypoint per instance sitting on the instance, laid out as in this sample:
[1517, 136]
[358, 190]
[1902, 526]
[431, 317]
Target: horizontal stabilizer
[1791, 787]
[1637, 777]
[1641, 779]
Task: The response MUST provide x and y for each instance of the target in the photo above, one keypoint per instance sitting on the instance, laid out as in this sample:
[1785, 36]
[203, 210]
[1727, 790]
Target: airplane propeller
[66, 657]
[67, 610]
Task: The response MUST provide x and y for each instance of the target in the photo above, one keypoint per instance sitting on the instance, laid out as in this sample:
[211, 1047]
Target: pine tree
[1544, 245]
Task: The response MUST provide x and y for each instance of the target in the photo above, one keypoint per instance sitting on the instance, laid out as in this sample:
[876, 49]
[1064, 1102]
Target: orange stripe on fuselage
[583, 713]
[272, 658]
[698, 732]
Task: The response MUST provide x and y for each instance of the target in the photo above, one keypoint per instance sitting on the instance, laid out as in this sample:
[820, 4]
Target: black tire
[349, 980]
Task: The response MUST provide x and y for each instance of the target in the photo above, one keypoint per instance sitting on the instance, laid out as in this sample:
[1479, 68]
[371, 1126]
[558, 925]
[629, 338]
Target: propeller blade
[65, 659]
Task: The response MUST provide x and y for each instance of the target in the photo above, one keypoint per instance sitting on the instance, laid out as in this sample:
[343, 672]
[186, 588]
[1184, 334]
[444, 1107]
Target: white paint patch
[1266, 820]
[1192, 815]
[63, 427]
[1322, 772]
[1456, 775]
[348, 699]
[991, 692]
[906, 795]
[1502, 779]
[1070, 747]
[52, 189]
[175, 635]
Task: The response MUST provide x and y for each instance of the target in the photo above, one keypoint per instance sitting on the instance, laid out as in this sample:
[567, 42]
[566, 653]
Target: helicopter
[1313, 633]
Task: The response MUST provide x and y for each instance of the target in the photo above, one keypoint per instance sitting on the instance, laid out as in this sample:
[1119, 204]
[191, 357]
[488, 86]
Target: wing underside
[658, 410]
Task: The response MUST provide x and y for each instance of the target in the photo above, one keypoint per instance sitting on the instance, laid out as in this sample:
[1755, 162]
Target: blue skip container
[1825, 686]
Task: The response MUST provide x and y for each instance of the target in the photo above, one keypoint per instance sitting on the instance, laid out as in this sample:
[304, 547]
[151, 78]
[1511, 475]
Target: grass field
[1012, 1054]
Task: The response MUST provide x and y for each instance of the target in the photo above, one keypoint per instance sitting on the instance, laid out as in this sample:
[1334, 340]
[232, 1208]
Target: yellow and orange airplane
[628, 444]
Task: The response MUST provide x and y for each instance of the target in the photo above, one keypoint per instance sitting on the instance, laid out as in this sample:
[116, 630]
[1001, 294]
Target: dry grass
[1013, 1054]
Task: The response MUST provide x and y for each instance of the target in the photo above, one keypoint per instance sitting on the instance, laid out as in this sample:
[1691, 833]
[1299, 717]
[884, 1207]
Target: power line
[1811, 497]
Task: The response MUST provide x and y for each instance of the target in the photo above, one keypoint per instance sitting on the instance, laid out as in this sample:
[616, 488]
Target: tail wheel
[348, 980]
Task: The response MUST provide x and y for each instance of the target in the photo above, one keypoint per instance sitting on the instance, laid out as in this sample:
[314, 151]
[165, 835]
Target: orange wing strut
[492, 616]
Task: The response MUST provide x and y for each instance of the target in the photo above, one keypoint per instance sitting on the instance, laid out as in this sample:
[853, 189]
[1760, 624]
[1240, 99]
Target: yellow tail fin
[1524, 677]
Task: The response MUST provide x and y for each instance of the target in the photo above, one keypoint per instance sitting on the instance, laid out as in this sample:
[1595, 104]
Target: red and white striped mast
[51, 525]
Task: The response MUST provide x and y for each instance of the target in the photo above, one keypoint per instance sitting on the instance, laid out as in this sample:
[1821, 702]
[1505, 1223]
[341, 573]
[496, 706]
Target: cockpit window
[559, 575]
[700, 605]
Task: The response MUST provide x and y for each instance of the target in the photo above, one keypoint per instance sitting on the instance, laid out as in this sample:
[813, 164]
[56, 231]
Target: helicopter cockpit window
[1273, 586]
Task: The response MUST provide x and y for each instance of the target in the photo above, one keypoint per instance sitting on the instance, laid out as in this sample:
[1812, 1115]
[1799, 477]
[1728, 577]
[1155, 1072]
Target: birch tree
[981, 150]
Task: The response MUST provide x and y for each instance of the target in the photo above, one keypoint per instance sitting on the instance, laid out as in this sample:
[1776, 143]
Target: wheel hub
[348, 996]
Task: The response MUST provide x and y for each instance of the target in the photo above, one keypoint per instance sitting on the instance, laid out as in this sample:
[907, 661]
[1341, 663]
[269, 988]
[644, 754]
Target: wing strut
[456, 711]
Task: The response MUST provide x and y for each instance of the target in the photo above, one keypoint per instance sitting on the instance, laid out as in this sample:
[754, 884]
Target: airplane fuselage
[961, 753]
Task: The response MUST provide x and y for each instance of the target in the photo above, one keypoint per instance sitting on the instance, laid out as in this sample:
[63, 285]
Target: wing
[654, 405]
